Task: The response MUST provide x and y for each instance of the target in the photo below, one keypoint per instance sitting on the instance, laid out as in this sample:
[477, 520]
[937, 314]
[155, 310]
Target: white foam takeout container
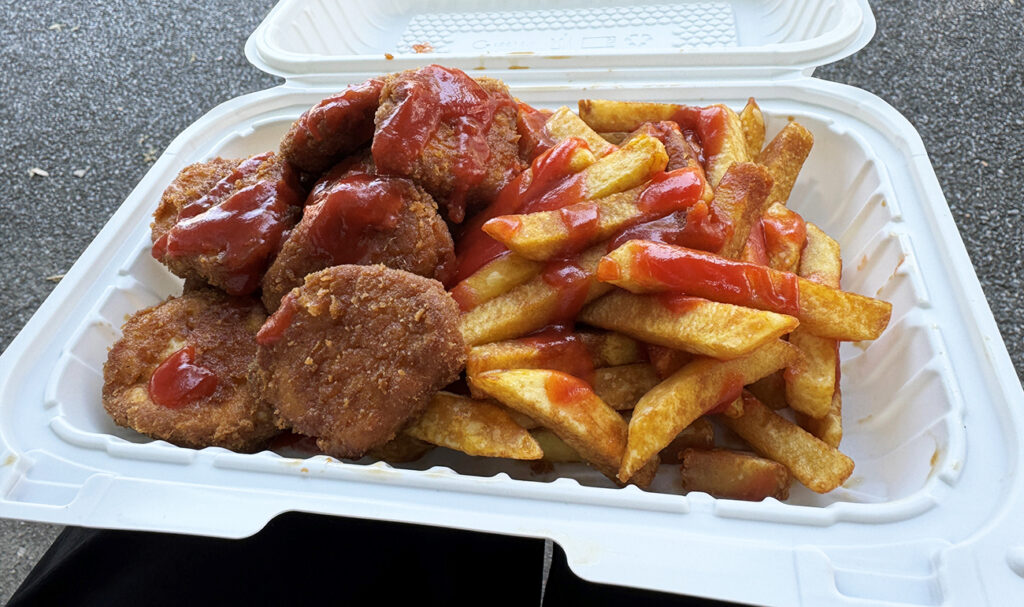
[932, 409]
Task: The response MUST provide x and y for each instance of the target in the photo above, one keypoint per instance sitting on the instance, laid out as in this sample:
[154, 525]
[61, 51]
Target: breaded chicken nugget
[179, 373]
[333, 128]
[451, 134]
[226, 232]
[355, 217]
[355, 352]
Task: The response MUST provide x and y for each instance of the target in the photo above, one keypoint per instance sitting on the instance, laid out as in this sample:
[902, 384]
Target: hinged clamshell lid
[597, 39]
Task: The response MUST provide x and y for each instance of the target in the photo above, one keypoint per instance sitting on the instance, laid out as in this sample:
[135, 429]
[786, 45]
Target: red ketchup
[710, 124]
[534, 139]
[344, 212]
[581, 222]
[755, 250]
[429, 98]
[548, 184]
[178, 381]
[672, 191]
[241, 229]
[274, 327]
[696, 228]
[670, 268]
[560, 349]
[572, 283]
[679, 304]
[564, 389]
[783, 233]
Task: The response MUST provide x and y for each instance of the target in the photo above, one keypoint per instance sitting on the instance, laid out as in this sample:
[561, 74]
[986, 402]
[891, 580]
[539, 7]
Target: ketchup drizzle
[178, 381]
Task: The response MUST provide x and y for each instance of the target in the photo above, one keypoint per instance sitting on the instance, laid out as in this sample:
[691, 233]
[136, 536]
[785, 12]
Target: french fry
[783, 157]
[733, 408]
[815, 464]
[718, 127]
[564, 123]
[589, 426]
[474, 427]
[691, 392]
[547, 234]
[828, 428]
[622, 386]
[625, 168]
[691, 324]
[785, 236]
[698, 435]
[573, 353]
[532, 305]
[496, 277]
[753, 127]
[809, 390]
[681, 153]
[605, 115]
[740, 200]
[732, 475]
[614, 137]
[647, 267]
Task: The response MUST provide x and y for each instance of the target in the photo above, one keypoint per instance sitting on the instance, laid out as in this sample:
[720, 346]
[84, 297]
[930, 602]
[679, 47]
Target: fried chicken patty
[451, 134]
[353, 216]
[222, 221]
[333, 128]
[355, 352]
[199, 346]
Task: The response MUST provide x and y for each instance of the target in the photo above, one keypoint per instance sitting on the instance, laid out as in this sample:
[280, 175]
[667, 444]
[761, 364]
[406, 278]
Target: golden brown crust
[222, 331]
[366, 348]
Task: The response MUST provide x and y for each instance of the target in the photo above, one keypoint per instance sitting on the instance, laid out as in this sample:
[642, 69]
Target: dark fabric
[300, 558]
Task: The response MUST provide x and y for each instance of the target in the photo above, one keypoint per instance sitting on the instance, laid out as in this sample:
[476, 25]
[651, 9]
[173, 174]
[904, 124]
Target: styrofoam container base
[932, 409]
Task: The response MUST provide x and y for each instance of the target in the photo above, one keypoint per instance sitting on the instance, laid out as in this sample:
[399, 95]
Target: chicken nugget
[353, 216]
[227, 232]
[179, 373]
[333, 128]
[451, 134]
[356, 352]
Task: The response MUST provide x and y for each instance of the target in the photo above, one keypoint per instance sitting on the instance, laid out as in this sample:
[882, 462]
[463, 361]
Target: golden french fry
[557, 350]
[783, 157]
[614, 137]
[604, 115]
[564, 123]
[692, 391]
[815, 464]
[622, 386]
[403, 448]
[474, 427]
[733, 408]
[648, 267]
[681, 154]
[785, 237]
[625, 168]
[698, 435]
[567, 406]
[688, 323]
[498, 276]
[739, 200]
[533, 304]
[809, 390]
[753, 127]
[732, 475]
[828, 428]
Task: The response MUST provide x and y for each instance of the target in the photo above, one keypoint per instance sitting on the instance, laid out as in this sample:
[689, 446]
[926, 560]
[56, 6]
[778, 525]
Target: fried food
[226, 232]
[353, 216]
[356, 352]
[178, 373]
[333, 128]
[451, 134]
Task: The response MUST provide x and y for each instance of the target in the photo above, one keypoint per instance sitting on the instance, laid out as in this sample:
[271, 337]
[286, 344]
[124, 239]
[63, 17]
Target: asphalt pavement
[90, 95]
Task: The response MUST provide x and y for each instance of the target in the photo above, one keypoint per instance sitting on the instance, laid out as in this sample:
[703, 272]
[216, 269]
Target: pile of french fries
[665, 352]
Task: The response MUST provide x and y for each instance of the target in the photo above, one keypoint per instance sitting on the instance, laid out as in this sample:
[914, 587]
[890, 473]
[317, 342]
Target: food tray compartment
[901, 408]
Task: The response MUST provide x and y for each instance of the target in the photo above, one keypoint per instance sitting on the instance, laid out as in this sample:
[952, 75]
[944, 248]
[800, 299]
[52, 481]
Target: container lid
[599, 39]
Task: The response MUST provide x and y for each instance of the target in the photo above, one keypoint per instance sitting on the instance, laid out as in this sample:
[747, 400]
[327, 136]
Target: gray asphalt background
[104, 89]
